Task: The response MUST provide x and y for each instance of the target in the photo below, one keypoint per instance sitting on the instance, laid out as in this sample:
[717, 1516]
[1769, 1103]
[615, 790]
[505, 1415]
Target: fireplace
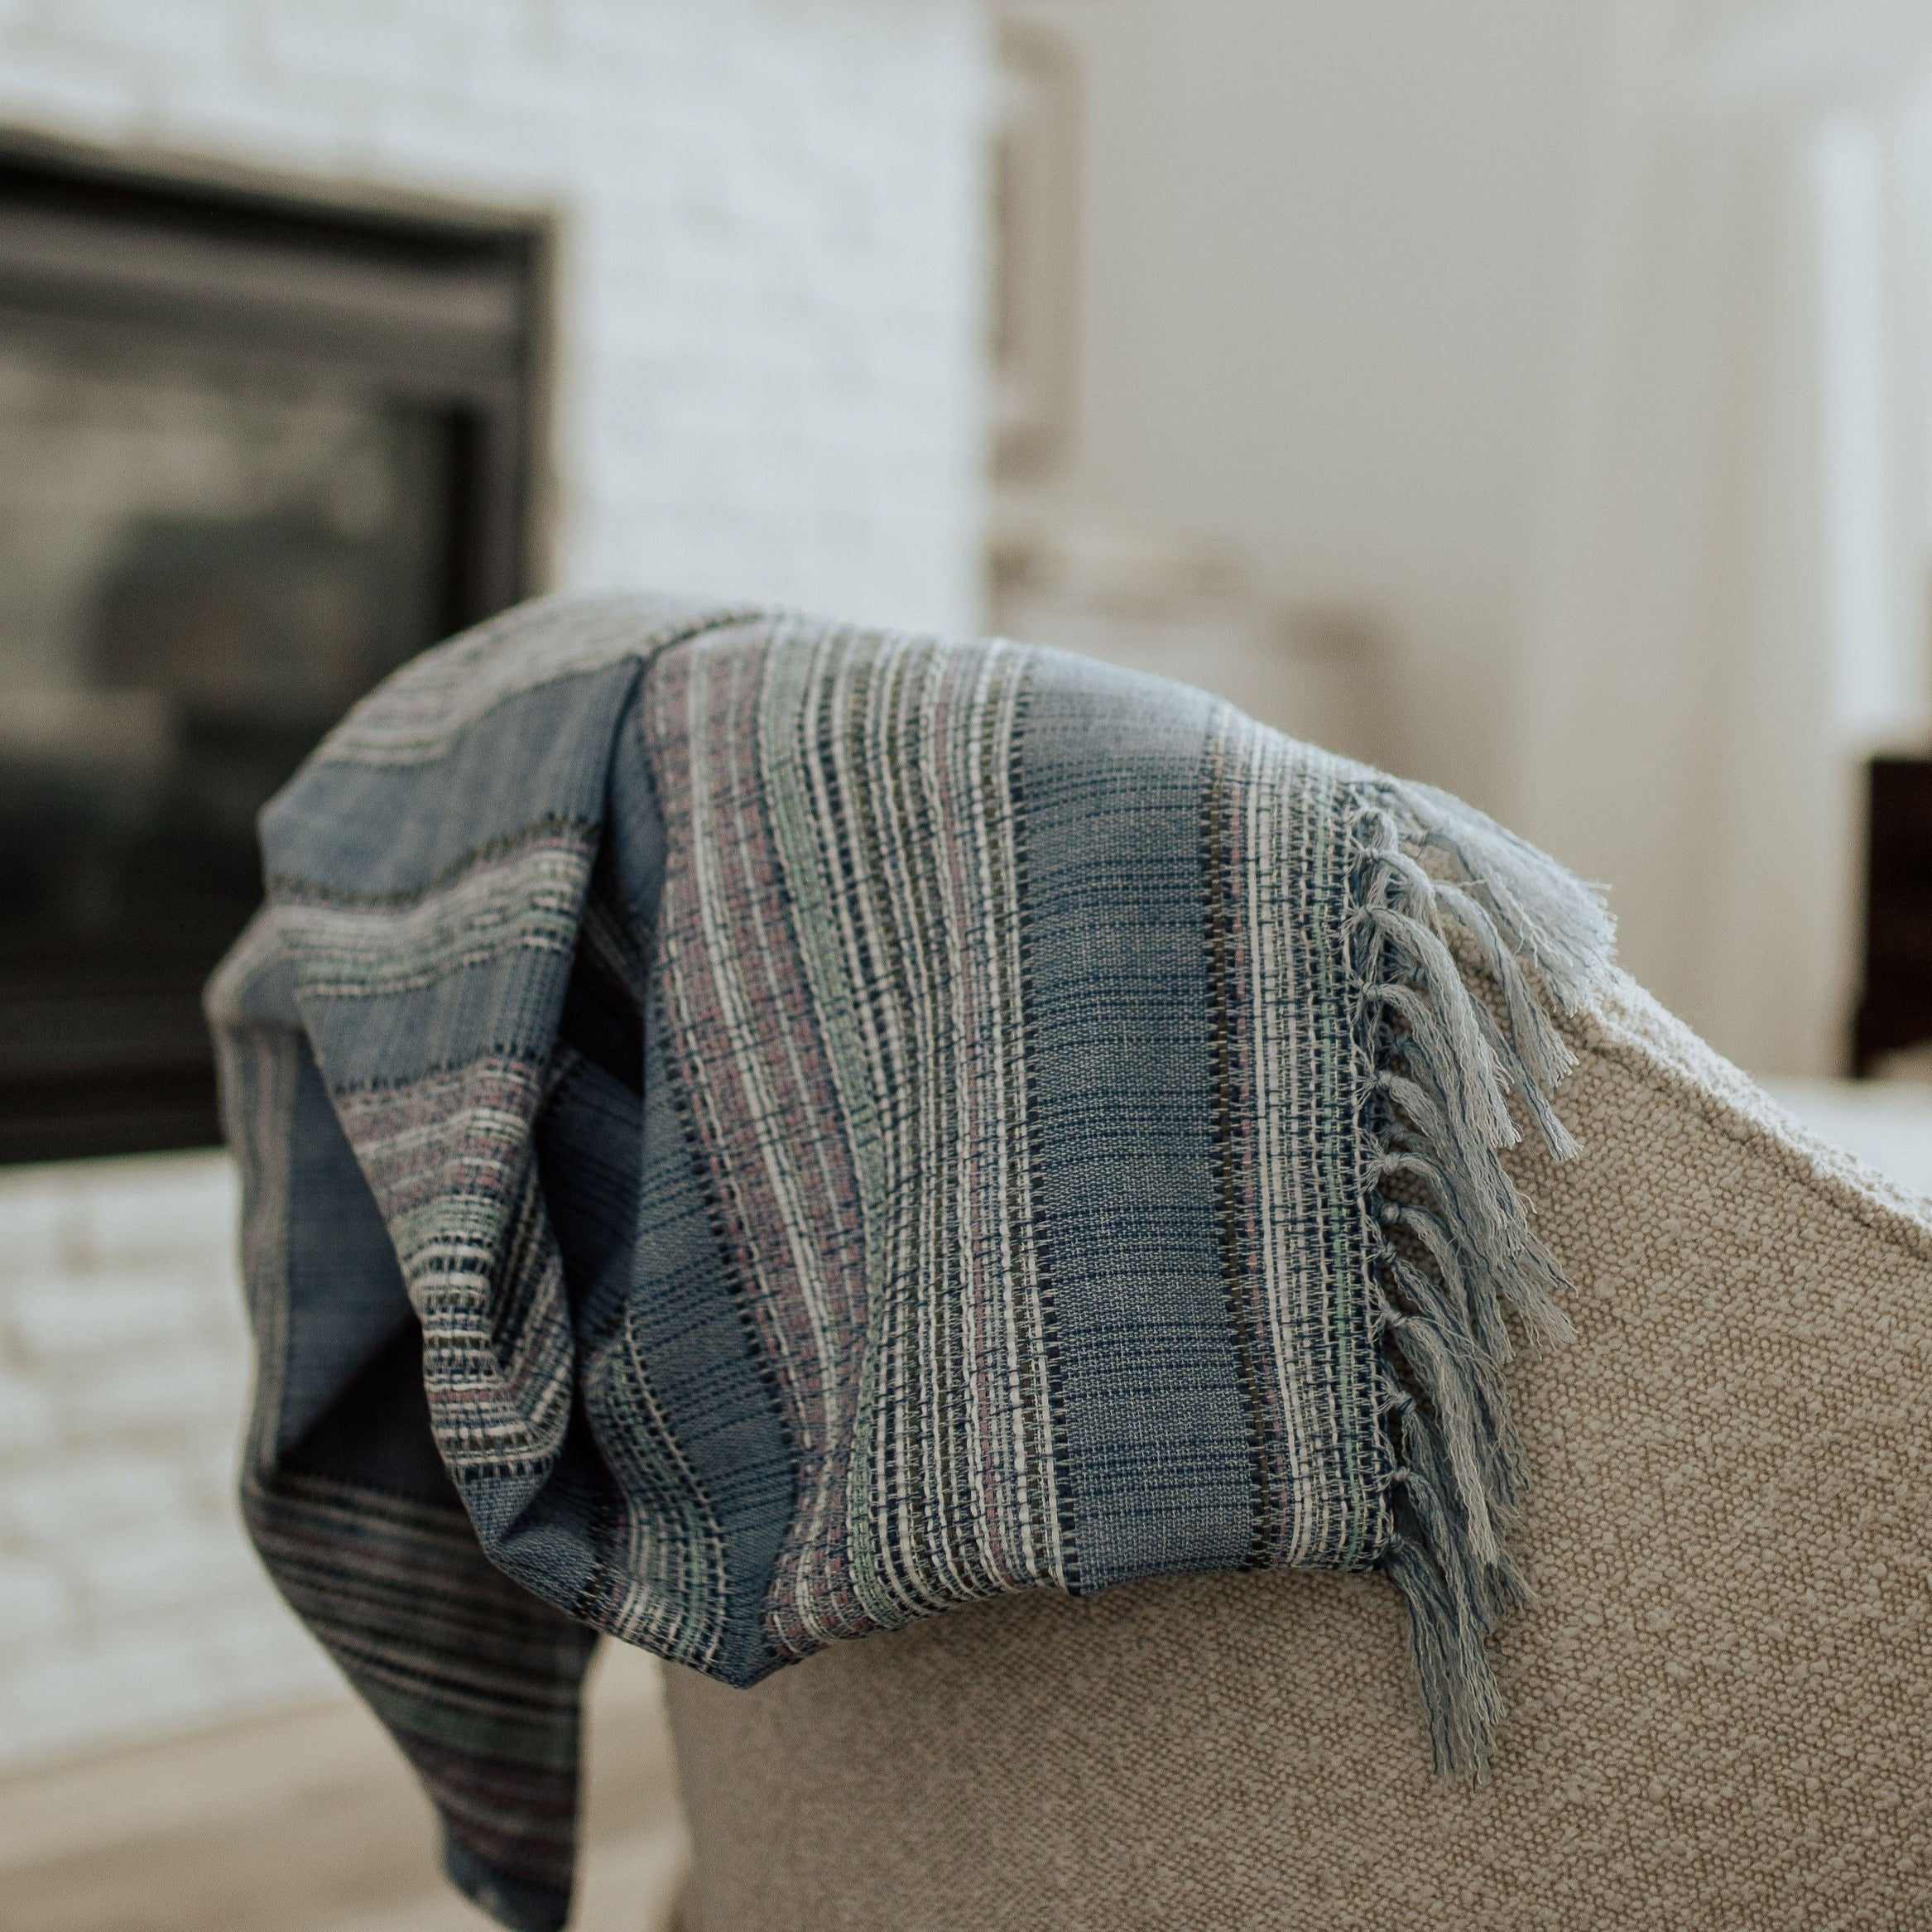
[257, 447]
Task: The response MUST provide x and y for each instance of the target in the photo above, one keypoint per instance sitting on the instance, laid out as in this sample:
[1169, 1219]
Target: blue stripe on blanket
[346, 1304]
[372, 829]
[1156, 1433]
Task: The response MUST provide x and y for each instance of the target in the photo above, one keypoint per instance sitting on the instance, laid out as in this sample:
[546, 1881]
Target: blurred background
[1533, 396]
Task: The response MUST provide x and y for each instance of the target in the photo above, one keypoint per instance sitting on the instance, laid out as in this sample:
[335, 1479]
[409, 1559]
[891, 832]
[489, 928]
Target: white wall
[1734, 613]
[1583, 347]
[1328, 260]
[769, 387]
[129, 1600]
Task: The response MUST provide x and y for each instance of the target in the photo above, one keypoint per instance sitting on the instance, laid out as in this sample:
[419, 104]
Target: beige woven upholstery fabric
[1720, 1709]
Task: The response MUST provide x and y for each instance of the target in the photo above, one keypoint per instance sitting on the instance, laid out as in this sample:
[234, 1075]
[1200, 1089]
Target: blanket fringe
[1450, 1243]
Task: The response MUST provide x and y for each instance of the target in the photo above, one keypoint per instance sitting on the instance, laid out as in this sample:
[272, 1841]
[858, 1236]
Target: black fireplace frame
[447, 305]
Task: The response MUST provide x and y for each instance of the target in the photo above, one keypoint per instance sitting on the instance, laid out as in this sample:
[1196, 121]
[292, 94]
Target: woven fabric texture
[1719, 1706]
[755, 1132]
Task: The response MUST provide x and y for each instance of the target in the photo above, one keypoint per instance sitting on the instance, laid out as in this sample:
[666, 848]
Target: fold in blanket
[755, 1131]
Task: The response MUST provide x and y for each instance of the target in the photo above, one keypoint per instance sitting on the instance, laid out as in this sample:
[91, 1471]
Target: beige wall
[1327, 259]
[1582, 350]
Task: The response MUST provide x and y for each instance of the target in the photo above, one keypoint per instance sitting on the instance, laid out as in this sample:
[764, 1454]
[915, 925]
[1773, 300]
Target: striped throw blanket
[755, 1130]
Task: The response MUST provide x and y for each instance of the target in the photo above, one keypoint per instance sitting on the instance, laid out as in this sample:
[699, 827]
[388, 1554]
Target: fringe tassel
[1451, 1247]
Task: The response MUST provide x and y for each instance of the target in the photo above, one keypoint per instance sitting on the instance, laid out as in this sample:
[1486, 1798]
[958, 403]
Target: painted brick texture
[131, 1602]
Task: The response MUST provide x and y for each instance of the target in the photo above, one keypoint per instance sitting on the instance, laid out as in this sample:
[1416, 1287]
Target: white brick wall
[129, 1600]
[767, 385]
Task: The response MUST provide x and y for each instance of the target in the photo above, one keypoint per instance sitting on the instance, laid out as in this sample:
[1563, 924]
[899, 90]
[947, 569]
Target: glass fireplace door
[226, 509]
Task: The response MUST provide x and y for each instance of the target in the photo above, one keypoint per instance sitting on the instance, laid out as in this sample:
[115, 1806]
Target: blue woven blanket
[755, 1130]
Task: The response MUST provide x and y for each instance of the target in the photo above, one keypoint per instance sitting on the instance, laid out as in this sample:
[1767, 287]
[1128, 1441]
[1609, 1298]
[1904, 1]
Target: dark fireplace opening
[257, 447]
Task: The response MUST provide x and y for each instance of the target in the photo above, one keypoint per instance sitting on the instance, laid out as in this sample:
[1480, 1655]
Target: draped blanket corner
[755, 1130]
